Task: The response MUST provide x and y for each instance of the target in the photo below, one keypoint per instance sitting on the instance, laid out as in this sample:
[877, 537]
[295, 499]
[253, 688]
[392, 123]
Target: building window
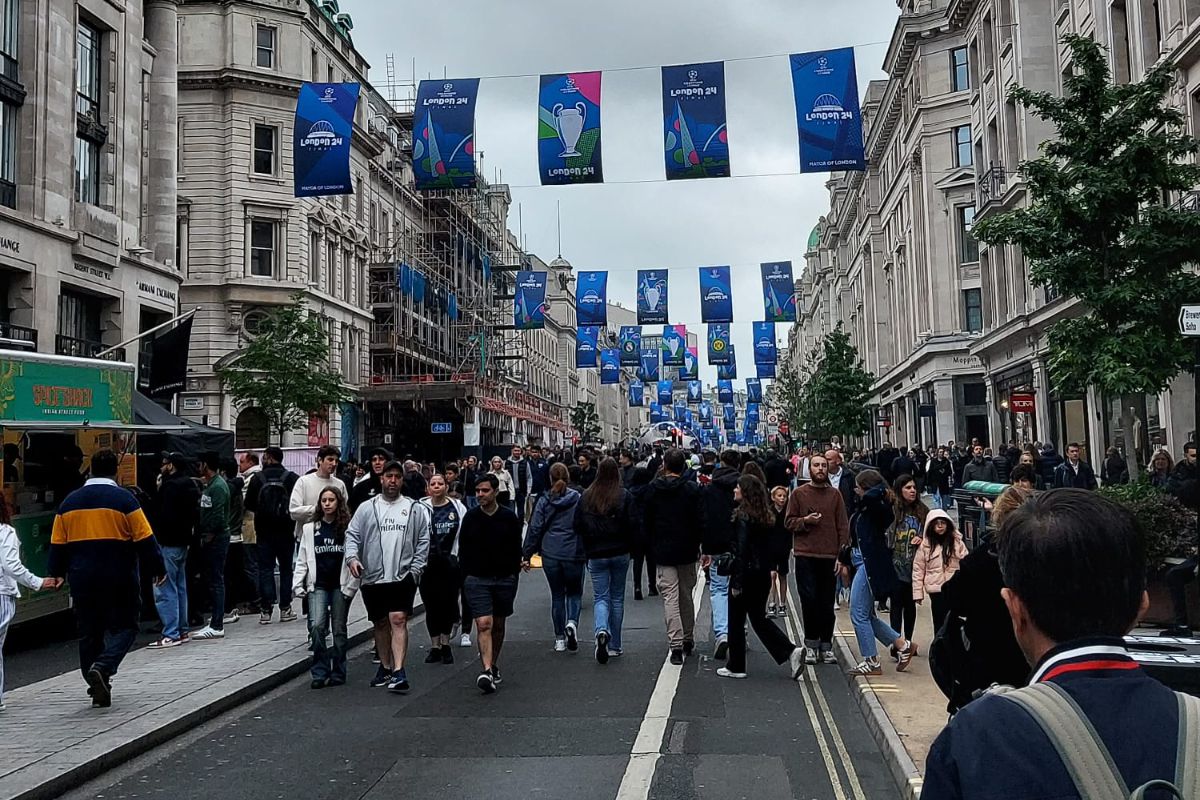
[87, 71]
[90, 134]
[8, 38]
[314, 258]
[314, 65]
[87, 171]
[262, 248]
[960, 79]
[8, 155]
[330, 264]
[264, 51]
[973, 310]
[264, 149]
[962, 146]
[968, 247]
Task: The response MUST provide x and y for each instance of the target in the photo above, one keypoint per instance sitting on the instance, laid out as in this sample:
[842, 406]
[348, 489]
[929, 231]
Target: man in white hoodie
[307, 491]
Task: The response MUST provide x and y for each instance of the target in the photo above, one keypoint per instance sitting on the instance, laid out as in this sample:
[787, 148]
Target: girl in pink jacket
[937, 559]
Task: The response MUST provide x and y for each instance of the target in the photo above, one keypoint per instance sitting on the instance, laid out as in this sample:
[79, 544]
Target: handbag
[725, 564]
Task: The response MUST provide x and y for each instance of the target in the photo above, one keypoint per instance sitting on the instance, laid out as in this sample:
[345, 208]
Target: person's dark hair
[275, 453]
[210, 459]
[756, 502]
[451, 467]
[605, 492]
[752, 468]
[1189, 446]
[488, 477]
[230, 468]
[559, 477]
[1022, 472]
[1073, 444]
[675, 461]
[917, 508]
[942, 540]
[104, 463]
[328, 450]
[1077, 561]
[868, 479]
[640, 476]
[341, 517]
[574, 473]
[731, 459]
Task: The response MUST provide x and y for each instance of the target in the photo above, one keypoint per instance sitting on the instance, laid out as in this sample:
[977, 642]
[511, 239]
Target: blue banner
[674, 345]
[636, 392]
[630, 343]
[529, 301]
[695, 393]
[587, 343]
[716, 295]
[730, 417]
[752, 414]
[648, 371]
[444, 134]
[705, 412]
[765, 350]
[729, 371]
[753, 390]
[656, 413]
[569, 129]
[779, 291]
[765, 370]
[418, 287]
[718, 344]
[724, 391]
[696, 138]
[404, 280]
[591, 298]
[664, 392]
[827, 113]
[690, 370]
[321, 138]
[652, 296]
[610, 365]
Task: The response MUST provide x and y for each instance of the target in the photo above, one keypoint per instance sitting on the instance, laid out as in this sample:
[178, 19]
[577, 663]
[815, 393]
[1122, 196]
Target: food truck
[55, 411]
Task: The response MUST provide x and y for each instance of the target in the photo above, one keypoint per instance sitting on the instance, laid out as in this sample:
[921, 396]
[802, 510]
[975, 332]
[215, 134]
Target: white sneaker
[560, 645]
[231, 617]
[2, 706]
[465, 641]
[207, 633]
[724, 672]
[796, 661]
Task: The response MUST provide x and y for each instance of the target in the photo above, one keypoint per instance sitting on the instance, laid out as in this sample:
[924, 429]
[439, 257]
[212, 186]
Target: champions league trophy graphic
[569, 123]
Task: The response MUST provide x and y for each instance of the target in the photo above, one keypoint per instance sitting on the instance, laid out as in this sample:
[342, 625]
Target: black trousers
[440, 588]
[904, 610]
[106, 620]
[641, 554]
[816, 583]
[940, 607]
[751, 603]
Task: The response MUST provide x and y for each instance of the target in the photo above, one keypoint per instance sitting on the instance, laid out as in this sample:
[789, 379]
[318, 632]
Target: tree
[1099, 229]
[285, 369]
[586, 421]
[829, 396]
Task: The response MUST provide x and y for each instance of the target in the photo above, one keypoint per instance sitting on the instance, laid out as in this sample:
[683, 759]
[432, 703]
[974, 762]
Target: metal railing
[19, 333]
[990, 184]
[85, 348]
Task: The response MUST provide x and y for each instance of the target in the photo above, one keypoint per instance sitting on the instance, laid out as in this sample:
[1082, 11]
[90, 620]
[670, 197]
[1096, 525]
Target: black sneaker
[382, 678]
[602, 647]
[485, 682]
[435, 656]
[496, 679]
[1178, 631]
[99, 688]
[722, 650]
[688, 647]
[447, 654]
[375, 656]
[319, 683]
[572, 637]
[399, 683]
[677, 657]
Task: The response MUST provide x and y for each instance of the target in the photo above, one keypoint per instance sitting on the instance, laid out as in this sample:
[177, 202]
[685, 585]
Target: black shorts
[382, 599]
[783, 564]
[490, 597]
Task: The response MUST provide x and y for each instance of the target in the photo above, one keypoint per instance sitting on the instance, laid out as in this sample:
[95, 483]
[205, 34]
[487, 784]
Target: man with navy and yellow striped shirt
[100, 538]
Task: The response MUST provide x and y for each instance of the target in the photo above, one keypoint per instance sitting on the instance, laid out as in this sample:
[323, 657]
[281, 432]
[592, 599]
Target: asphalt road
[561, 726]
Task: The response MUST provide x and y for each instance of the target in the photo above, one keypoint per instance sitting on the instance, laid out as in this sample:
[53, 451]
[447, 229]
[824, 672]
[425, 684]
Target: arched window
[252, 429]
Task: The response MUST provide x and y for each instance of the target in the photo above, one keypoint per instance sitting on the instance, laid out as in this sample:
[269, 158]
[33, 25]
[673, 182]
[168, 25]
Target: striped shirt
[99, 535]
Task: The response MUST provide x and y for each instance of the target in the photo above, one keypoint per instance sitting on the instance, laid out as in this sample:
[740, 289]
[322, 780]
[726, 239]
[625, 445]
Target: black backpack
[951, 660]
[273, 499]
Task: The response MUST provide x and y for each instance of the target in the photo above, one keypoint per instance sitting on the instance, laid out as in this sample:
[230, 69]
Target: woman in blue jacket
[552, 533]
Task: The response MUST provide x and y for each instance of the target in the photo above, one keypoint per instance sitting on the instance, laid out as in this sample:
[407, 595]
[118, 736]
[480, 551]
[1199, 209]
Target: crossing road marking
[647, 748]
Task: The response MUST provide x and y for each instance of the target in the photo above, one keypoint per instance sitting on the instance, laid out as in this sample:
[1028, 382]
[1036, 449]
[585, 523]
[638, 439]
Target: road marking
[647, 748]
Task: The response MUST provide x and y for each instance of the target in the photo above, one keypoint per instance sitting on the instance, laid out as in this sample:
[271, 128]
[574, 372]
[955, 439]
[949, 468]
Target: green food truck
[56, 411]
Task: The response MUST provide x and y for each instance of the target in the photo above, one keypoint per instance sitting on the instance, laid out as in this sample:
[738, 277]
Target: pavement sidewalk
[54, 740]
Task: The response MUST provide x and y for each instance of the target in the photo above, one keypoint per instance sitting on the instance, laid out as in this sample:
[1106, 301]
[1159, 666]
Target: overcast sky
[636, 220]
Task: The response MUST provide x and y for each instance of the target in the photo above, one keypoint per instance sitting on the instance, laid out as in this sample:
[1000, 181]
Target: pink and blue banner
[587, 345]
[779, 291]
[716, 295]
[569, 129]
[674, 345]
[529, 301]
[652, 296]
[321, 137]
[591, 298]
[694, 125]
[444, 134]
[828, 118]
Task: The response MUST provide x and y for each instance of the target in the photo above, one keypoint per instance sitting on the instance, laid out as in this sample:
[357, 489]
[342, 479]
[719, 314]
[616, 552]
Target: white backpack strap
[1187, 757]
[1083, 753]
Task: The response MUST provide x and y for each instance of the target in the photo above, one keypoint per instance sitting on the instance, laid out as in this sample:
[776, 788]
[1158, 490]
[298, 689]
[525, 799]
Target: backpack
[273, 499]
[950, 661]
[1088, 761]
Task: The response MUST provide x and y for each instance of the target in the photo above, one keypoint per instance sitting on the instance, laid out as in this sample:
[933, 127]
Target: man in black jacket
[937, 478]
[884, 461]
[371, 485]
[777, 470]
[717, 497]
[274, 529]
[518, 467]
[842, 478]
[674, 526]
[173, 517]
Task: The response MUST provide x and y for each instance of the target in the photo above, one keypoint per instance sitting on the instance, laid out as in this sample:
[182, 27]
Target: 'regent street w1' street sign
[1189, 320]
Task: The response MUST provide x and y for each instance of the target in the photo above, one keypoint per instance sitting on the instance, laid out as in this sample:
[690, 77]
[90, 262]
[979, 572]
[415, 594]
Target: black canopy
[191, 441]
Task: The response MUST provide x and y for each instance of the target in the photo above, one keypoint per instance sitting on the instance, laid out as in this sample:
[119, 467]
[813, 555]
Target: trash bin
[970, 513]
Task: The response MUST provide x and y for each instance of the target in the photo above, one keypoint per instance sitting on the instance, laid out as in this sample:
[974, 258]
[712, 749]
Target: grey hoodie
[552, 528]
[390, 540]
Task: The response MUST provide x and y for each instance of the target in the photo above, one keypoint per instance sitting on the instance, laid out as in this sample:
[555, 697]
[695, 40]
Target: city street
[561, 726]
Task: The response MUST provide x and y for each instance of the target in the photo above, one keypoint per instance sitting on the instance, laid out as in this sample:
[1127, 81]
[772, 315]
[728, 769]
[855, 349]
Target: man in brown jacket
[816, 516]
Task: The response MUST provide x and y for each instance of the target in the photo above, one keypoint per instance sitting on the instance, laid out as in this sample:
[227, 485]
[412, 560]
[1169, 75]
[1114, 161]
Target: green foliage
[828, 397]
[1168, 527]
[586, 421]
[1097, 228]
[285, 370]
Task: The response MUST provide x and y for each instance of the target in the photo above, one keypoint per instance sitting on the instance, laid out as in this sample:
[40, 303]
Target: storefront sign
[165, 294]
[93, 271]
[9, 245]
[1021, 402]
[44, 391]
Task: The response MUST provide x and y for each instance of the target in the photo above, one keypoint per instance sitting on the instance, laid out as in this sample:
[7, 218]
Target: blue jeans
[867, 626]
[328, 608]
[608, 586]
[171, 598]
[566, 591]
[718, 591]
[215, 553]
